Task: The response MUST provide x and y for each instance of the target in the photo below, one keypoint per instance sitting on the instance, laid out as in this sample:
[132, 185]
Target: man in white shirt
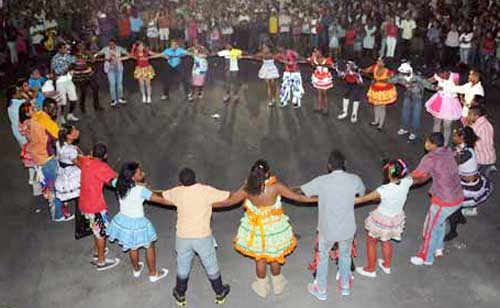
[451, 43]
[407, 26]
[232, 55]
[469, 90]
[285, 22]
[465, 44]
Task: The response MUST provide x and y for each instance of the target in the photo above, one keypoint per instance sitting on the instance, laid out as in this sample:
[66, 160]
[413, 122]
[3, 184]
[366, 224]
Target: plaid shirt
[485, 146]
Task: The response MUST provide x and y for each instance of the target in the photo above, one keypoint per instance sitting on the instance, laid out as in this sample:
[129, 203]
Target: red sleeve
[371, 68]
[105, 173]
[390, 73]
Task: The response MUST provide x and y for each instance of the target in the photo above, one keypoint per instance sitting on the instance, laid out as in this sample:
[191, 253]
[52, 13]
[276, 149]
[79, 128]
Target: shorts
[66, 89]
[164, 34]
[98, 223]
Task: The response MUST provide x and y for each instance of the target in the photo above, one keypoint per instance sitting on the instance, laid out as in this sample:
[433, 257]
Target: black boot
[179, 291]
[221, 290]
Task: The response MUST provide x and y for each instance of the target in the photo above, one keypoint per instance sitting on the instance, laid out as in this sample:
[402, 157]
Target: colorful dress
[68, 174]
[445, 105]
[322, 78]
[143, 69]
[264, 233]
[200, 69]
[381, 92]
[268, 70]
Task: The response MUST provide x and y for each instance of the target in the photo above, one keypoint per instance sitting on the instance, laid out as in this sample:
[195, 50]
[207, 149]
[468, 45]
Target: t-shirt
[37, 84]
[194, 208]
[136, 24]
[232, 56]
[441, 165]
[273, 24]
[94, 174]
[393, 197]
[174, 56]
[336, 192]
[200, 65]
[408, 26]
[133, 203]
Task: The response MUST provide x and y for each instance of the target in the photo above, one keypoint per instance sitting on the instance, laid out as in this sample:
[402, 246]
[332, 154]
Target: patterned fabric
[98, 223]
[68, 174]
[131, 233]
[381, 92]
[264, 233]
[476, 192]
[291, 87]
[383, 227]
[444, 107]
[147, 73]
[61, 63]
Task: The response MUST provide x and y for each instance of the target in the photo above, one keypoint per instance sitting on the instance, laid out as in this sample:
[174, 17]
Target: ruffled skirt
[476, 192]
[444, 107]
[144, 72]
[269, 71]
[383, 227]
[382, 94]
[131, 233]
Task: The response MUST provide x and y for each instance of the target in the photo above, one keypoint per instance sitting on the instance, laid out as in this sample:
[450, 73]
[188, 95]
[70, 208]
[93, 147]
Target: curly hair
[259, 173]
[125, 181]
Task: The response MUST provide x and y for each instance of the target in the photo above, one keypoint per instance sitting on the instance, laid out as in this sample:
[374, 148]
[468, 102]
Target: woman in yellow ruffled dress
[381, 93]
[143, 72]
[264, 233]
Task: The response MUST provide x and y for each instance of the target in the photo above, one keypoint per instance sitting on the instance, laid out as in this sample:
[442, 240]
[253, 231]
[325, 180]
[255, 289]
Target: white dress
[68, 174]
[268, 70]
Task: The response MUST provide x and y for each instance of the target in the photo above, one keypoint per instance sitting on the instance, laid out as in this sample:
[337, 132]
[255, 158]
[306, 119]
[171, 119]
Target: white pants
[66, 89]
[13, 52]
[164, 34]
[391, 46]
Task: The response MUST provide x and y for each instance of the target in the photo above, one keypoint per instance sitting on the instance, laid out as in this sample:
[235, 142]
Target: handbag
[82, 225]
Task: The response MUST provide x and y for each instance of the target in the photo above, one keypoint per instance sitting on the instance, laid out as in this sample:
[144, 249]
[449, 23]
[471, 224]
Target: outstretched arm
[158, 198]
[372, 196]
[288, 193]
[234, 198]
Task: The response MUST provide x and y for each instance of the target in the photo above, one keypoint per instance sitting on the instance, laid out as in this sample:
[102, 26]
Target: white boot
[261, 286]
[354, 115]
[279, 282]
[345, 106]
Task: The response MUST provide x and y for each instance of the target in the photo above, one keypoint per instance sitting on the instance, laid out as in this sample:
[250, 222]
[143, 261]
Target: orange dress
[381, 92]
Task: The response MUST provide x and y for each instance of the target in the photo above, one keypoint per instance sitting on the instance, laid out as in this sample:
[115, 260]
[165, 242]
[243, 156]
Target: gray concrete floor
[43, 266]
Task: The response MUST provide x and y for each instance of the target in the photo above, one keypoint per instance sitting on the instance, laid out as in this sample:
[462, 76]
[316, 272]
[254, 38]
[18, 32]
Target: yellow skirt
[147, 72]
[382, 94]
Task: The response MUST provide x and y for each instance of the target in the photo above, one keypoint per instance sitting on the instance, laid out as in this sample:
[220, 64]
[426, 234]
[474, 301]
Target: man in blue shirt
[61, 65]
[174, 70]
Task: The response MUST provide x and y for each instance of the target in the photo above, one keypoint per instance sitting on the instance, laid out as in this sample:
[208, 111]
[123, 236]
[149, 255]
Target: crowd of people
[332, 37]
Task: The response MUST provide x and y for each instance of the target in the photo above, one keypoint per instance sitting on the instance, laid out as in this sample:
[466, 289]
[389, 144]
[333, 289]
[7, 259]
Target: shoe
[373, 123]
[108, 264]
[450, 236]
[419, 261]
[226, 98]
[149, 100]
[345, 292]
[65, 218]
[190, 97]
[313, 289]
[270, 104]
[283, 105]
[63, 120]
[469, 211]
[121, 100]
[261, 287]
[180, 300]
[137, 274]
[72, 117]
[296, 106]
[362, 272]
[163, 273]
[38, 211]
[402, 131]
[200, 95]
[114, 103]
[94, 255]
[354, 118]
[342, 116]
[221, 298]
[144, 101]
[164, 97]
[439, 253]
[279, 282]
[386, 270]
[412, 137]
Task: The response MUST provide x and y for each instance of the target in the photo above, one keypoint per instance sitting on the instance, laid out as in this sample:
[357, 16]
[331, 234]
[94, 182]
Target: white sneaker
[362, 272]
[412, 137]
[137, 274]
[402, 131]
[72, 117]
[65, 218]
[114, 103]
[159, 275]
[107, 264]
[144, 99]
[439, 253]
[122, 100]
[63, 121]
[342, 116]
[469, 211]
[386, 270]
[419, 261]
[149, 100]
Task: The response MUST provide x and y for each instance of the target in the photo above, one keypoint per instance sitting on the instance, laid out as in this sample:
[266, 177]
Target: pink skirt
[383, 227]
[198, 80]
[444, 107]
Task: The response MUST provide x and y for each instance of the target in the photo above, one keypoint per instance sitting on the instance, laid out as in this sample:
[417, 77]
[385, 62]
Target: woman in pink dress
[444, 106]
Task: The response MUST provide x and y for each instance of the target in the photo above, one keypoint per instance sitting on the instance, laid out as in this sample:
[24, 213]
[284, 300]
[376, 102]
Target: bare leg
[151, 260]
[134, 259]
[275, 268]
[260, 268]
[100, 245]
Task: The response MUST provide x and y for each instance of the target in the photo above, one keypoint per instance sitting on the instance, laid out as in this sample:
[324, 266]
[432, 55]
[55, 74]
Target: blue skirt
[131, 233]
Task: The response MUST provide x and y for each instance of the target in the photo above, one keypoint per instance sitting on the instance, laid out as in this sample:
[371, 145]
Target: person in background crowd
[485, 145]
[61, 65]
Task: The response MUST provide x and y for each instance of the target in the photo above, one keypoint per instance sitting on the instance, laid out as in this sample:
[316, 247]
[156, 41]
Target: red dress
[322, 78]
[143, 70]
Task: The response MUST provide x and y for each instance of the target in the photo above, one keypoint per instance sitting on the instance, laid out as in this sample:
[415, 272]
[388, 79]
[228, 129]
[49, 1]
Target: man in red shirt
[95, 173]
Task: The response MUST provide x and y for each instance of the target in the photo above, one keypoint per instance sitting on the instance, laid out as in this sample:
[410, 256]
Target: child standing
[322, 78]
[200, 69]
[143, 72]
[387, 221]
[354, 81]
[130, 227]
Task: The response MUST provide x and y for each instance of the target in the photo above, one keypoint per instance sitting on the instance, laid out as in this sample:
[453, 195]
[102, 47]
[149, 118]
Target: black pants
[83, 86]
[173, 74]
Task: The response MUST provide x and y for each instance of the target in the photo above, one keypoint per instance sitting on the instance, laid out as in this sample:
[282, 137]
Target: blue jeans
[115, 78]
[410, 114]
[204, 247]
[435, 230]
[49, 171]
[344, 263]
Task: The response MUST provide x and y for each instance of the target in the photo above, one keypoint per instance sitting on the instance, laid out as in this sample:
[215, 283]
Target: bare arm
[372, 196]
[419, 179]
[234, 198]
[288, 193]
[158, 198]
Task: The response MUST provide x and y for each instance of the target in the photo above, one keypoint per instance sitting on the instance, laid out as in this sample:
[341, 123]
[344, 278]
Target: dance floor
[42, 265]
